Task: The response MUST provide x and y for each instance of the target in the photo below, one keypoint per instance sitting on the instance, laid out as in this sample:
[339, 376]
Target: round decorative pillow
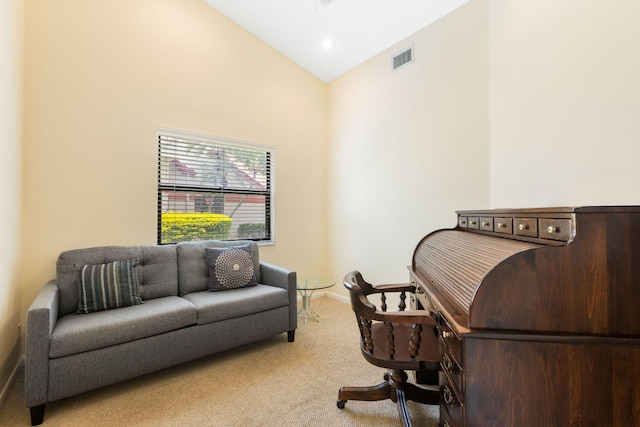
[230, 268]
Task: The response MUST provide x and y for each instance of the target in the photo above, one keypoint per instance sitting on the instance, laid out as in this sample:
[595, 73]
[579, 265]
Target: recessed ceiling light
[327, 44]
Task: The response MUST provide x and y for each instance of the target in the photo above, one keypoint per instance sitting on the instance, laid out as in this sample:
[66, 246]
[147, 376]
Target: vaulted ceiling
[356, 29]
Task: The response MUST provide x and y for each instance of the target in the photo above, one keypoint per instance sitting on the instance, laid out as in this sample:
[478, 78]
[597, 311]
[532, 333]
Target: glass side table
[307, 286]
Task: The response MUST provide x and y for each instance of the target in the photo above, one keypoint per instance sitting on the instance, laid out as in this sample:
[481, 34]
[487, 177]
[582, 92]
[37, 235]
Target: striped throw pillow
[106, 286]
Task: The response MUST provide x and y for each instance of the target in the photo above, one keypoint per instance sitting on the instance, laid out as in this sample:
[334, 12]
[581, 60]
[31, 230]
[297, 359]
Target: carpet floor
[268, 383]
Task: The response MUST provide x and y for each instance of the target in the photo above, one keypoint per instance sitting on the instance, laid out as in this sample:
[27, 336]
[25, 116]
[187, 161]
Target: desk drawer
[449, 339]
[450, 407]
[473, 222]
[503, 225]
[525, 227]
[447, 420]
[451, 367]
[555, 229]
[486, 223]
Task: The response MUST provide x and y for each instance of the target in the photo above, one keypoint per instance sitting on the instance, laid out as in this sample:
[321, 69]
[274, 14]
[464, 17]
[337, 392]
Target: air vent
[402, 59]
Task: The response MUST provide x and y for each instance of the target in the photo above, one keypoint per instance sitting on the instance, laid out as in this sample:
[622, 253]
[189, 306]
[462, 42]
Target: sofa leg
[37, 414]
[291, 335]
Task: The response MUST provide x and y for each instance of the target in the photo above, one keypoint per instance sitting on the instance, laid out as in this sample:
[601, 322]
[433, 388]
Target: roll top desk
[537, 315]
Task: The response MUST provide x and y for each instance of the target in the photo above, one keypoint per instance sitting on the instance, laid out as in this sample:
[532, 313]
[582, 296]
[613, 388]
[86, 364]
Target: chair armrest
[389, 289]
[367, 288]
[41, 318]
[395, 287]
[274, 275]
[409, 317]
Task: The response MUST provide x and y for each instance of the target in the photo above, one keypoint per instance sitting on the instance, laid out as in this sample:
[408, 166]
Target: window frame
[268, 192]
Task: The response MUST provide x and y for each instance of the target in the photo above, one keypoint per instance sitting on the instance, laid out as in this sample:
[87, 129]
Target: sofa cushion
[193, 272]
[217, 306]
[107, 286]
[230, 268]
[79, 333]
[157, 271]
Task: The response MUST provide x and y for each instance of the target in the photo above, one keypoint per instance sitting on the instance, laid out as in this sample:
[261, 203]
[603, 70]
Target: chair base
[396, 388]
[427, 377]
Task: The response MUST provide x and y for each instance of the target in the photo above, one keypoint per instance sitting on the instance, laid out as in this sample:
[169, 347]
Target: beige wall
[507, 104]
[10, 181]
[408, 148]
[565, 103]
[102, 77]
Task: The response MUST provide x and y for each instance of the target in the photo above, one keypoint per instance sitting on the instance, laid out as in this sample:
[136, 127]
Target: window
[213, 188]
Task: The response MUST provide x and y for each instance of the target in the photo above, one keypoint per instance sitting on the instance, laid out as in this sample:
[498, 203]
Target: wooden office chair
[399, 341]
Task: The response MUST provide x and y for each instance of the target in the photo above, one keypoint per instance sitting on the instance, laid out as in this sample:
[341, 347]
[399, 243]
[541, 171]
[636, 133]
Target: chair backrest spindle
[400, 335]
[414, 340]
[403, 304]
[391, 341]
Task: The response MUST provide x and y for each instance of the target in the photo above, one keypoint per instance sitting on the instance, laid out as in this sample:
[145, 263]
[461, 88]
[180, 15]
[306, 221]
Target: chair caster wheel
[341, 403]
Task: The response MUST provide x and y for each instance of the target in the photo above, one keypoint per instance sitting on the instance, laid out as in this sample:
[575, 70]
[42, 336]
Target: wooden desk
[537, 316]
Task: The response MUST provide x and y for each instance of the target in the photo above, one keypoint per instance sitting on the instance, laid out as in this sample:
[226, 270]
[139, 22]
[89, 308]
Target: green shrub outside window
[184, 227]
[251, 231]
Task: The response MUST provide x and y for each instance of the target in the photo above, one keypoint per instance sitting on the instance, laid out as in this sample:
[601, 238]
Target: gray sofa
[179, 319]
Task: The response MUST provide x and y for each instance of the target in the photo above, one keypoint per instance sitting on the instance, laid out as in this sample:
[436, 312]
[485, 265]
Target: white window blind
[213, 188]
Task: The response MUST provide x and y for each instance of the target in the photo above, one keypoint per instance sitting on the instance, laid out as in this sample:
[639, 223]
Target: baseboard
[12, 379]
[338, 297]
[331, 295]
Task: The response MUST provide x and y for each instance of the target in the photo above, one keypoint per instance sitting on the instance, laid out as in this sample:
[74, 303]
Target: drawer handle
[472, 222]
[485, 224]
[501, 225]
[523, 227]
[446, 334]
[447, 364]
[551, 229]
[447, 395]
[446, 424]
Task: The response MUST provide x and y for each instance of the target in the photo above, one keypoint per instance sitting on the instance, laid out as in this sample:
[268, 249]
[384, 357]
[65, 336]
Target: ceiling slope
[358, 29]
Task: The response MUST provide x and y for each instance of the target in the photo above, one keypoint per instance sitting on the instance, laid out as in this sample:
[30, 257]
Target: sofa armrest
[275, 275]
[281, 277]
[41, 318]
